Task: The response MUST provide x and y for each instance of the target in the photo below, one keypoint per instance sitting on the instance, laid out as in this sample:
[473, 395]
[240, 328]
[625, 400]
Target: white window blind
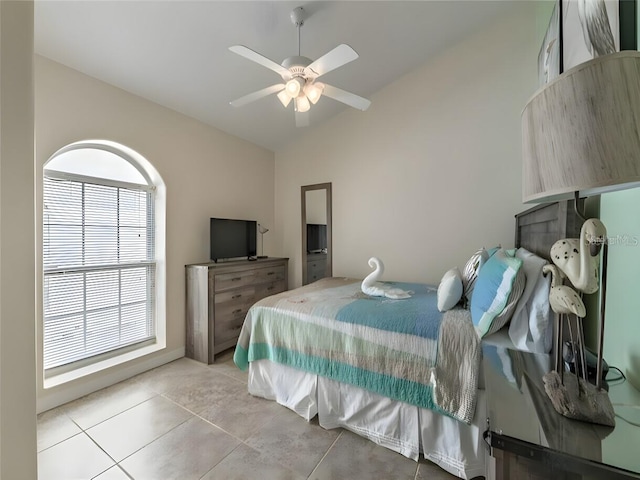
[99, 267]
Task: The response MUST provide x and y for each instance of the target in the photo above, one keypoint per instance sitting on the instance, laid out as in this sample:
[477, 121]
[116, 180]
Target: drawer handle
[235, 312]
[237, 279]
[236, 296]
[270, 288]
[271, 273]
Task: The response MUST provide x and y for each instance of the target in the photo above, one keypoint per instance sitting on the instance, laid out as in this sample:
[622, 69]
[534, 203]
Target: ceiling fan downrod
[298, 15]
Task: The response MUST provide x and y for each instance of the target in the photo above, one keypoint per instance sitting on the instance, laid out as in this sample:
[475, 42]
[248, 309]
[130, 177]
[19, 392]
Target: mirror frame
[303, 201]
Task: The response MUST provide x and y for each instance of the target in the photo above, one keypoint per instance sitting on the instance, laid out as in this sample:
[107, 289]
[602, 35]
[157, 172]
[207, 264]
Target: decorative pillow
[499, 285]
[531, 328]
[470, 271]
[449, 290]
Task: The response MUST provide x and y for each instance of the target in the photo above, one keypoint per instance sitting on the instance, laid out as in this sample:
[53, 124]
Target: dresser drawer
[316, 270]
[269, 289]
[270, 274]
[228, 330]
[237, 296]
[225, 281]
[234, 307]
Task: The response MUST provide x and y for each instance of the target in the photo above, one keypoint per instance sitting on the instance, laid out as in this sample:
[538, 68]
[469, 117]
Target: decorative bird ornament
[579, 258]
[371, 286]
[562, 298]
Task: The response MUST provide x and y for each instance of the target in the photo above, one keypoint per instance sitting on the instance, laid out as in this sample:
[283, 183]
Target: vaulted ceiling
[175, 53]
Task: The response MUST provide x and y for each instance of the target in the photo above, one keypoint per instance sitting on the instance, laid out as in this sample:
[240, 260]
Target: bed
[398, 372]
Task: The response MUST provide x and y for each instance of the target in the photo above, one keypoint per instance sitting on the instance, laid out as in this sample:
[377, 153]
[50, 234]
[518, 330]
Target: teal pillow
[498, 288]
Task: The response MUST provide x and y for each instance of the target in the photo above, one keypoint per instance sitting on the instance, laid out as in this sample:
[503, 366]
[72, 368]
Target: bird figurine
[579, 258]
[563, 299]
[371, 286]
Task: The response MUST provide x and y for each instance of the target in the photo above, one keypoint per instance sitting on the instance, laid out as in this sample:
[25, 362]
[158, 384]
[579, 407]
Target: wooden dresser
[219, 296]
[316, 266]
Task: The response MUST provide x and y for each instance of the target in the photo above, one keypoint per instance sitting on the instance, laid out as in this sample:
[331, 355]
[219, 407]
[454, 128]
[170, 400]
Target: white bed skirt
[453, 445]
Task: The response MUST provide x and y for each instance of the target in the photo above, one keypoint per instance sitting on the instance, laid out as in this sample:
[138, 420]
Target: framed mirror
[316, 232]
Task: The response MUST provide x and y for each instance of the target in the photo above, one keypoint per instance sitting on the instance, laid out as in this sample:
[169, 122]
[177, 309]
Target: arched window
[99, 254]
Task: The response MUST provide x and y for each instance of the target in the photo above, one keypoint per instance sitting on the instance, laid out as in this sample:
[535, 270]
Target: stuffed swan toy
[372, 286]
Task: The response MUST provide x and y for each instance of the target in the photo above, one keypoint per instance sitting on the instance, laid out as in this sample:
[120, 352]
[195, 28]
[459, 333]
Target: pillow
[531, 327]
[449, 290]
[498, 288]
[470, 271]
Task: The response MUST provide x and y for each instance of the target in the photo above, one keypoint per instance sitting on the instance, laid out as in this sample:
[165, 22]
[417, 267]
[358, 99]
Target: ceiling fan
[299, 75]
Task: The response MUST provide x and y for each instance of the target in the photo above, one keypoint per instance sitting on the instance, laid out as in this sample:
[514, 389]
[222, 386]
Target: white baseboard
[66, 393]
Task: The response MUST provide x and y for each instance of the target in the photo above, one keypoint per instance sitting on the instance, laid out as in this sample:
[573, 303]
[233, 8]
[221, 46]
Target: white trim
[115, 375]
[121, 151]
[69, 386]
[73, 177]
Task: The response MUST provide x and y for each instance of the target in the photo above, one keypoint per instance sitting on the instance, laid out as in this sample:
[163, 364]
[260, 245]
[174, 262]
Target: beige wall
[206, 172]
[17, 283]
[432, 171]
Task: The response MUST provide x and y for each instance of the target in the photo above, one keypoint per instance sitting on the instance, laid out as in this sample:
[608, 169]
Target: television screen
[316, 237]
[232, 238]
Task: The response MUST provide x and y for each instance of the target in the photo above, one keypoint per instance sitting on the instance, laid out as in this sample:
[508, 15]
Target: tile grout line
[326, 453]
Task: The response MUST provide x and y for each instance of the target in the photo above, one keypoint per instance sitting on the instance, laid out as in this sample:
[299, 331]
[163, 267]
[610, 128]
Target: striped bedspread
[403, 349]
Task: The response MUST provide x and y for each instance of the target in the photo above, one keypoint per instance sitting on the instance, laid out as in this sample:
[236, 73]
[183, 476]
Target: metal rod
[558, 363]
[603, 297]
[576, 199]
[581, 347]
[561, 334]
[574, 354]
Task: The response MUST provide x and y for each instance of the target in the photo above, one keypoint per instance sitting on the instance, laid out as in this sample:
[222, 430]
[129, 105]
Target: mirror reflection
[316, 232]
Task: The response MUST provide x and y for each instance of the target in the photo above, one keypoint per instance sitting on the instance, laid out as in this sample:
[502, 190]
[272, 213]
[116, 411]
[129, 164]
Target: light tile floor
[186, 420]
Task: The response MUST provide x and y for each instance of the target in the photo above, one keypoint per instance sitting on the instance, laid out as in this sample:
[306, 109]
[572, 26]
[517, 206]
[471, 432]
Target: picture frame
[606, 26]
[549, 58]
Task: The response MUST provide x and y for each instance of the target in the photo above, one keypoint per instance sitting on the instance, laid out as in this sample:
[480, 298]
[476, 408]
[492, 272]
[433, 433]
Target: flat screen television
[232, 238]
[316, 237]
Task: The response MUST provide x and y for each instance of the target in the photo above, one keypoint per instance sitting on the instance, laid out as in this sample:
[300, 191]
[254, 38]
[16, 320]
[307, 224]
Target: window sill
[99, 366]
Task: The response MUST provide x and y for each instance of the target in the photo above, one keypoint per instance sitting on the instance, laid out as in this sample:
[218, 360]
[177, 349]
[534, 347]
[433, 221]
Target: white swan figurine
[579, 258]
[371, 285]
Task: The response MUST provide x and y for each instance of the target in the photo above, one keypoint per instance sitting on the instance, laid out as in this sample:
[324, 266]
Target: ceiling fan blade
[262, 60]
[302, 119]
[257, 95]
[348, 98]
[339, 56]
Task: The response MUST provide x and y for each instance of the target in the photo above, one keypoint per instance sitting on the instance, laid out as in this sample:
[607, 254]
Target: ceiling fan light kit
[300, 73]
[302, 104]
[294, 86]
[284, 98]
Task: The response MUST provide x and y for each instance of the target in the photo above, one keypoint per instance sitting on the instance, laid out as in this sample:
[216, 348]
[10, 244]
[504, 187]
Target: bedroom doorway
[316, 232]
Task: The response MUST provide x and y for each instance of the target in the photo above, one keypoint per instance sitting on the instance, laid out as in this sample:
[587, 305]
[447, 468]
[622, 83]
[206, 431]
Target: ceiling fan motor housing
[296, 65]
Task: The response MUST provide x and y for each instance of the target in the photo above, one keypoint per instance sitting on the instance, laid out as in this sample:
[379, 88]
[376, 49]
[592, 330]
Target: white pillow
[449, 290]
[531, 327]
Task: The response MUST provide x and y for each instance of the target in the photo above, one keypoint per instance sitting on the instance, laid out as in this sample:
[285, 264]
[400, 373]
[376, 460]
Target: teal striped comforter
[403, 349]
